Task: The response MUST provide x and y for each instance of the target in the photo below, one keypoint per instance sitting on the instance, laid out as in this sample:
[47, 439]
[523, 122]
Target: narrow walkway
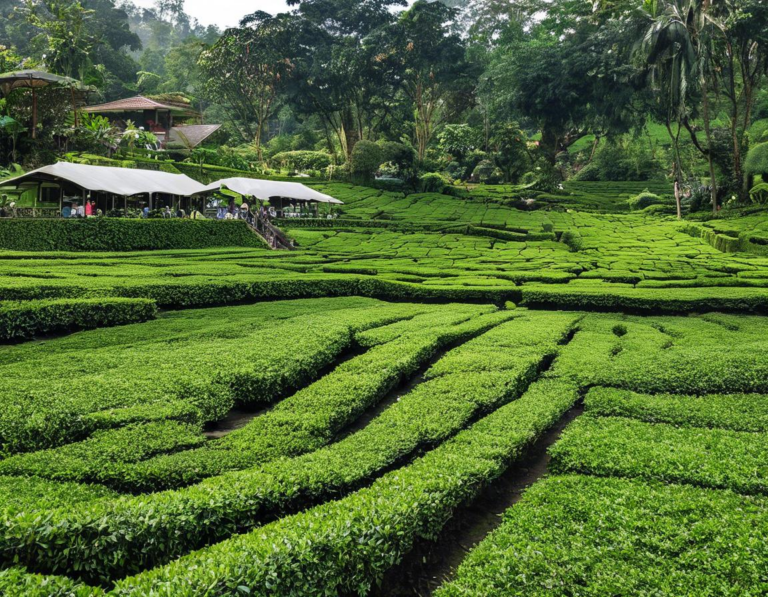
[240, 415]
[433, 563]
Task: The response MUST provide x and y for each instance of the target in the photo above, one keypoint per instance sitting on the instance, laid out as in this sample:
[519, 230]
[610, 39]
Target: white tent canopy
[124, 182]
[266, 189]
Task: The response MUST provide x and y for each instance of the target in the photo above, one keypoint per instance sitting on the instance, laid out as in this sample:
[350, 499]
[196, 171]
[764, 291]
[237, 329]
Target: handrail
[275, 237]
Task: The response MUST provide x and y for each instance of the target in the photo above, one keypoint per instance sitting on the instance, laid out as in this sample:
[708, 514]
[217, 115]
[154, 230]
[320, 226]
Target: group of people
[79, 210]
[244, 212]
[168, 212]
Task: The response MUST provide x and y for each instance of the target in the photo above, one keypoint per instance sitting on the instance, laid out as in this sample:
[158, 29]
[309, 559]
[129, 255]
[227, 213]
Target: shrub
[302, 161]
[643, 200]
[575, 535]
[400, 155]
[367, 156]
[468, 381]
[487, 172]
[646, 300]
[432, 182]
[756, 163]
[572, 240]
[618, 447]
[589, 173]
[346, 546]
[738, 412]
[19, 320]
[113, 234]
[759, 193]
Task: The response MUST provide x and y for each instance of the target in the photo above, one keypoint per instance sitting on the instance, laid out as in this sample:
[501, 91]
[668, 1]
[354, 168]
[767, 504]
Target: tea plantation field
[379, 412]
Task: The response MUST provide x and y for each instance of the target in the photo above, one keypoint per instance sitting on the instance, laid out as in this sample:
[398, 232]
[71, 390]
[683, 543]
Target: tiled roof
[193, 134]
[134, 104]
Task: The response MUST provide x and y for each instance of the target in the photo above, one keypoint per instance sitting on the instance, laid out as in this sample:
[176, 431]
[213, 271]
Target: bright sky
[224, 13]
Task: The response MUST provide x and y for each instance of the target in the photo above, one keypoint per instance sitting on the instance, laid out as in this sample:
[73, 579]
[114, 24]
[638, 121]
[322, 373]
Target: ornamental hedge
[20, 320]
[114, 234]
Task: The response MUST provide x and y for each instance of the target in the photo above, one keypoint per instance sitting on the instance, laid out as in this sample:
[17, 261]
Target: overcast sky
[224, 13]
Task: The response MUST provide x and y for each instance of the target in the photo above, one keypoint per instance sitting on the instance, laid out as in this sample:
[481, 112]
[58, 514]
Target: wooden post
[34, 113]
[61, 200]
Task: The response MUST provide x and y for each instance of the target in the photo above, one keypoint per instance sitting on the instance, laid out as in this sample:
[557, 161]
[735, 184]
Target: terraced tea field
[464, 399]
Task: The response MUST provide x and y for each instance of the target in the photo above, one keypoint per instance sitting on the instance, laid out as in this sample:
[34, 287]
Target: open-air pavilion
[119, 190]
[109, 188]
[288, 198]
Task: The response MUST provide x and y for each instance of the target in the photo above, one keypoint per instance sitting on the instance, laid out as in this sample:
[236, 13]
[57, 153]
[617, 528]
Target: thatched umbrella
[35, 79]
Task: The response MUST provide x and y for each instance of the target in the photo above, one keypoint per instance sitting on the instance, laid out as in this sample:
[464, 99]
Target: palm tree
[678, 48]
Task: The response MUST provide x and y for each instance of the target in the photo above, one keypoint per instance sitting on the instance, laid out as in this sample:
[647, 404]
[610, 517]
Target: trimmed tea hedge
[646, 300]
[346, 546]
[617, 447]
[738, 412]
[574, 535]
[117, 234]
[306, 421]
[19, 320]
[16, 582]
[187, 366]
[129, 540]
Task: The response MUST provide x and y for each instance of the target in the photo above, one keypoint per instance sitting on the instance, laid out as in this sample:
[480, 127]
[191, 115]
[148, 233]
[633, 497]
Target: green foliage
[432, 182]
[367, 156]
[302, 161]
[475, 378]
[759, 193]
[20, 320]
[415, 501]
[457, 140]
[306, 421]
[400, 155]
[612, 446]
[643, 200]
[615, 535]
[15, 582]
[191, 367]
[756, 163]
[738, 412]
[572, 239]
[110, 234]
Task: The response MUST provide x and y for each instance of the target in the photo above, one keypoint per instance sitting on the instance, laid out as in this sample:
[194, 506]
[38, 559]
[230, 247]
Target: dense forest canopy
[523, 91]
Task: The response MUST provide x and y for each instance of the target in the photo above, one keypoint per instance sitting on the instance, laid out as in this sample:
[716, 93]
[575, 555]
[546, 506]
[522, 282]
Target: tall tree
[245, 71]
[671, 61]
[342, 74]
[430, 51]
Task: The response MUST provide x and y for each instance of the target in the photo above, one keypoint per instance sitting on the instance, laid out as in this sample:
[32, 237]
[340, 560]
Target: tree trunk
[549, 144]
[349, 131]
[677, 167]
[257, 141]
[708, 131]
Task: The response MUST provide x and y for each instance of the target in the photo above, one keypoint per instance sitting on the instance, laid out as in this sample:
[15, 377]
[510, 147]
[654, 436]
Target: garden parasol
[33, 79]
